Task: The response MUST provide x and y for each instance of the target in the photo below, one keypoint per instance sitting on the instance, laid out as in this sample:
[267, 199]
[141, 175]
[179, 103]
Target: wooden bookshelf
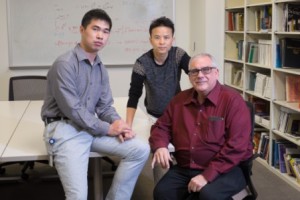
[258, 30]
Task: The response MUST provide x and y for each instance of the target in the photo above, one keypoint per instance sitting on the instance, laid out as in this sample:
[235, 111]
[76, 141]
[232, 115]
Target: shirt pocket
[214, 130]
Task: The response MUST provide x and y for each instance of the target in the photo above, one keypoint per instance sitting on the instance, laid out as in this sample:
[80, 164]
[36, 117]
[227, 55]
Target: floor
[268, 185]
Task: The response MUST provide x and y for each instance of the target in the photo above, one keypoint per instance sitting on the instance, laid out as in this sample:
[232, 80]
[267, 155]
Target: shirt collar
[81, 55]
[212, 96]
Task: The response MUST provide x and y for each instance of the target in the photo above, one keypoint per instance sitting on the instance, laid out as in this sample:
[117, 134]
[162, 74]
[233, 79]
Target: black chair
[25, 88]
[246, 166]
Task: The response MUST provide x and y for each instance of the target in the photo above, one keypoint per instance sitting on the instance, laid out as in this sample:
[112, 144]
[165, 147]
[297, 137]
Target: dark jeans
[173, 185]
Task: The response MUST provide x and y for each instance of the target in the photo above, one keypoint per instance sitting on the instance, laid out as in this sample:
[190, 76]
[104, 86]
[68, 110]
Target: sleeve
[237, 140]
[184, 60]
[160, 134]
[104, 109]
[64, 89]
[136, 85]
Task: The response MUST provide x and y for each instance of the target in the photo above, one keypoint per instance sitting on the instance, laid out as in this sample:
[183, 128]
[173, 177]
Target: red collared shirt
[213, 137]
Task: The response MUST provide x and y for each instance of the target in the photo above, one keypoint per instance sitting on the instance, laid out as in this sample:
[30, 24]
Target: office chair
[25, 88]
[246, 166]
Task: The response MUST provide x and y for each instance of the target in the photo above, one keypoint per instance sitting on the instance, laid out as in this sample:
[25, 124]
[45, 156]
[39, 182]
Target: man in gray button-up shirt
[79, 116]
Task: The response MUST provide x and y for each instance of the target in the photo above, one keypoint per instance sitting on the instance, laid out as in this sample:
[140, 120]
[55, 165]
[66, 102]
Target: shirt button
[192, 147]
[198, 123]
[88, 98]
[91, 83]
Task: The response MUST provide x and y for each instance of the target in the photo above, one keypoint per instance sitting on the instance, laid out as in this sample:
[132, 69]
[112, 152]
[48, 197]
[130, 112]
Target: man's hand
[126, 135]
[162, 157]
[121, 129]
[196, 183]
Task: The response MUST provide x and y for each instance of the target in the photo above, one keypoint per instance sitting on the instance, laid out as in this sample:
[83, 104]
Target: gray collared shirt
[80, 91]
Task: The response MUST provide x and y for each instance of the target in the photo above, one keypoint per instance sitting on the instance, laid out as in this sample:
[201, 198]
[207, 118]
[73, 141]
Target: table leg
[98, 179]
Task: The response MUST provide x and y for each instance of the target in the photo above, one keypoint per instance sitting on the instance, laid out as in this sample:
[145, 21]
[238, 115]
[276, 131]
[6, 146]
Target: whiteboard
[41, 30]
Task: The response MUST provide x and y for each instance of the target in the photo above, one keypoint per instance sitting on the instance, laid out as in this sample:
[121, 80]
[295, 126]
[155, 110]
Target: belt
[49, 120]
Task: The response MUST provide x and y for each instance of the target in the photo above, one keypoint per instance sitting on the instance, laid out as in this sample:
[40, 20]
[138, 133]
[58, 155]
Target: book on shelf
[252, 79]
[284, 147]
[238, 78]
[287, 157]
[295, 130]
[292, 88]
[292, 17]
[263, 148]
[256, 139]
[228, 71]
[230, 21]
[282, 120]
[278, 63]
[266, 18]
[247, 51]
[261, 108]
[239, 21]
[290, 52]
[265, 52]
[257, 17]
[239, 46]
[261, 143]
[235, 21]
[253, 52]
[260, 83]
[280, 147]
[293, 124]
[268, 88]
[295, 163]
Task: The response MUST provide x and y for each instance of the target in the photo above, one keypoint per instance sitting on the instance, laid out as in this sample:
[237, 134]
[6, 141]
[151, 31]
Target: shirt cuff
[210, 174]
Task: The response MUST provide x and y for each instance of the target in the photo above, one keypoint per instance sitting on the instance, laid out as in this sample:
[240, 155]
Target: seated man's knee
[159, 192]
[207, 194]
[142, 150]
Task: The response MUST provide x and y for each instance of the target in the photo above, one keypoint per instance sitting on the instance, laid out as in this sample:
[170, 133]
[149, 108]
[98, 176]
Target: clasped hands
[122, 130]
[163, 157]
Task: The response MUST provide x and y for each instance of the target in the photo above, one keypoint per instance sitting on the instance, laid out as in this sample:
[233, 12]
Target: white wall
[209, 23]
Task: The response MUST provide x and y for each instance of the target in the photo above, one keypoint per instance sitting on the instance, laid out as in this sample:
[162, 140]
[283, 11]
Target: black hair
[162, 21]
[95, 14]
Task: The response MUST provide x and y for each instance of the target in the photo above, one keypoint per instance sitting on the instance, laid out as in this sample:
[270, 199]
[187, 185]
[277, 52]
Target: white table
[27, 143]
[11, 113]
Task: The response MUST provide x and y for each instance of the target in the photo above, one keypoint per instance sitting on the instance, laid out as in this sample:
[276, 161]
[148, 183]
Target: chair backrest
[246, 166]
[27, 88]
[252, 115]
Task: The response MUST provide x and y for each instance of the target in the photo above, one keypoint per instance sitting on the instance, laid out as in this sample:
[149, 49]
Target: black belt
[49, 120]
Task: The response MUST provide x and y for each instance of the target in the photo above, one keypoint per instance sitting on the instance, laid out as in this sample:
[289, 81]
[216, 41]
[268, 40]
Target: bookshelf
[254, 65]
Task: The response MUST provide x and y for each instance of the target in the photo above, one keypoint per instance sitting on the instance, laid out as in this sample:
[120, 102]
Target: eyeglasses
[204, 70]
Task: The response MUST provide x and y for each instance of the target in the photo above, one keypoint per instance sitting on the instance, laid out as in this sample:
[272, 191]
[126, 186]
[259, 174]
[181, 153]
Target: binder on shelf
[290, 52]
[278, 63]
